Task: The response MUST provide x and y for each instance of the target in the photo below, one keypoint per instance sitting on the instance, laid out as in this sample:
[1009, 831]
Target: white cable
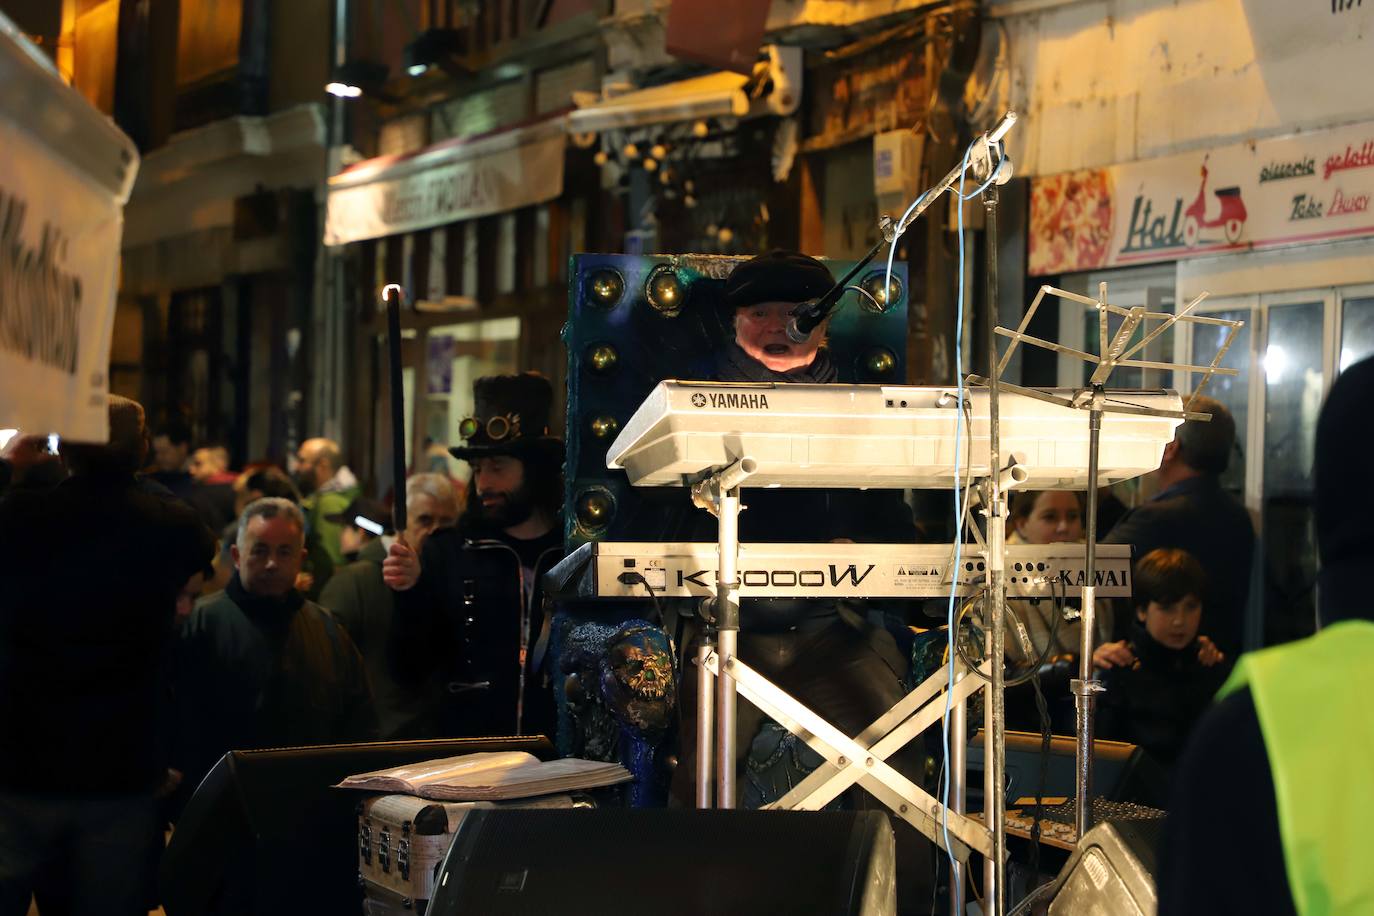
[959, 494]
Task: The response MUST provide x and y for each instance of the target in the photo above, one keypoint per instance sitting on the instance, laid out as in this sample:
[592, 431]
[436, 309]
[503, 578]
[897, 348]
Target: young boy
[1154, 700]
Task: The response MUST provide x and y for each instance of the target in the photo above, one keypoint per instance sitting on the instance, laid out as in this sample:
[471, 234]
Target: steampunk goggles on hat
[498, 427]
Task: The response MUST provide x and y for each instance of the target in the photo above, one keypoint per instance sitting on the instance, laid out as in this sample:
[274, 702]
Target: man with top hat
[469, 604]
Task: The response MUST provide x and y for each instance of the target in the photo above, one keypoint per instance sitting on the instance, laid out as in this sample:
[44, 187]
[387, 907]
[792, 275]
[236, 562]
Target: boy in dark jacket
[1155, 698]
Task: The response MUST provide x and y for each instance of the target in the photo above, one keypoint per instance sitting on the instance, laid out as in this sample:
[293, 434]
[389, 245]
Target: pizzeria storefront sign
[1288, 191]
[448, 182]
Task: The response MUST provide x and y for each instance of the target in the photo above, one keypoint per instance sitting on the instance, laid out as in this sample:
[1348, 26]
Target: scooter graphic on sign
[1231, 216]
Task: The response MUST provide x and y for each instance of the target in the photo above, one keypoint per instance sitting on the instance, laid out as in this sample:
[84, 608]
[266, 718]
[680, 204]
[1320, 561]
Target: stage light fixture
[604, 427]
[595, 508]
[357, 78]
[665, 291]
[631, 151]
[602, 358]
[880, 362]
[601, 157]
[606, 287]
[650, 164]
[882, 296]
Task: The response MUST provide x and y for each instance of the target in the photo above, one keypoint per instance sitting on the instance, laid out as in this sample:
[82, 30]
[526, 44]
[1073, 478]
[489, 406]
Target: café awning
[447, 182]
[722, 94]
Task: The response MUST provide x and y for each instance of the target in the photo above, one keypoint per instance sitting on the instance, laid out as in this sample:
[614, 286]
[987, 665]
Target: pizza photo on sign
[1070, 221]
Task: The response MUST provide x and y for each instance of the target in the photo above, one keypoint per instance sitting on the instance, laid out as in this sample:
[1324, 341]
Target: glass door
[1356, 325]
[1296, 370]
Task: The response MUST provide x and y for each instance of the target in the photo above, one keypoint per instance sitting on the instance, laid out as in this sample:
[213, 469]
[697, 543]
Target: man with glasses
[360, 600]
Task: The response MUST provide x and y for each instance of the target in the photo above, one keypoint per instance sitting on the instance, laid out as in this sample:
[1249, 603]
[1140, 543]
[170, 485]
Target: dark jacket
[255, 672]
[1198, 516]
[361, 601]
[470, 619]
[89, 574]
[1156, 704]
[1222, 854]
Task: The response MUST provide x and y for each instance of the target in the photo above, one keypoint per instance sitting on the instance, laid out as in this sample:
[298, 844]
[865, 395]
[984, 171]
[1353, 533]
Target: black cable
[629, 577]
[1020, 679]
[1042, 708]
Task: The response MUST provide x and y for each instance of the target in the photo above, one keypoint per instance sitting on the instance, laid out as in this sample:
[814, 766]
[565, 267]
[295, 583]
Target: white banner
[444, 184]
[59, 266]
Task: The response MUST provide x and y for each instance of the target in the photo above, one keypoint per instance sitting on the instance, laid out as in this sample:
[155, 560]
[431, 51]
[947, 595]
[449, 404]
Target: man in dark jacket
[1192, 512]
[358, 597]
[470, 604]
[260, 666]
[91, 571]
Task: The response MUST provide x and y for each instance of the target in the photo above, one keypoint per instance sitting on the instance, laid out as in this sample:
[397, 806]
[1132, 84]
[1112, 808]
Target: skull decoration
[619, 694]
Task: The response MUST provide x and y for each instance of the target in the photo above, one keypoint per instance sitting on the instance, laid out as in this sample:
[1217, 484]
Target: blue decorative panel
[635, 320]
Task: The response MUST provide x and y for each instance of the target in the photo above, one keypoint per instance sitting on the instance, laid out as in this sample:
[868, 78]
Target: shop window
[1232, 391]
[455, 356]
[1148, 287]
[1357, 330]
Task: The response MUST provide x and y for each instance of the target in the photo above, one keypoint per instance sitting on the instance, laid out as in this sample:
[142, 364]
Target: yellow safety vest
[1315, 703]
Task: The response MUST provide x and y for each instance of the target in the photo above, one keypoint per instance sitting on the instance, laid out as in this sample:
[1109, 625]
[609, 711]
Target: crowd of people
[161, 609]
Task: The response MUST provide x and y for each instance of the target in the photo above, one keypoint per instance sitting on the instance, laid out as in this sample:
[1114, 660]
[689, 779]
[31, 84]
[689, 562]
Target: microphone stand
[807, 316]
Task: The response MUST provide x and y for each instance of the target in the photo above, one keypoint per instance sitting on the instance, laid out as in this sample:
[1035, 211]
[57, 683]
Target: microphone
[807, 316]
[803, 319]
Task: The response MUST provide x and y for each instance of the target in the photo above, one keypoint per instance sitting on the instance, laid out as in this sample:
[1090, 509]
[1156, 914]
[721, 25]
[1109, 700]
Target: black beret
[778, 276]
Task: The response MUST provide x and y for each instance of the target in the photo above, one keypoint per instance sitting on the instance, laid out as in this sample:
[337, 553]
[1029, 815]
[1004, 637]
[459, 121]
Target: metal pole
[392, 294]
[997, 580]
[706, 722]
[989, 781]
[1084, 687]
[958, 778]
[727, 637]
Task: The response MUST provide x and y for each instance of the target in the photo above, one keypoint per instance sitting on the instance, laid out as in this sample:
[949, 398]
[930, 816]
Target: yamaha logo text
[732, 400]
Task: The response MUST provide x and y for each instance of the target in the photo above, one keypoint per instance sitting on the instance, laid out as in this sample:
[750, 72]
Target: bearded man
[469, 603]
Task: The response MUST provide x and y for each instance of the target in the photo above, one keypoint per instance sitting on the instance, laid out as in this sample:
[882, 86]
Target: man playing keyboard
[826, 655]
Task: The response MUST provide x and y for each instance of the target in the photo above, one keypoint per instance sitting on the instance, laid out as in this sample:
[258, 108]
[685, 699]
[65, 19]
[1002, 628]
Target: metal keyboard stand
[862, 760]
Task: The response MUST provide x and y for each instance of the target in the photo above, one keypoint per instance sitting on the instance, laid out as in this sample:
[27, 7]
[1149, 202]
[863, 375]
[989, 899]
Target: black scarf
[734, 365]
[1158, 656]
[269, 610]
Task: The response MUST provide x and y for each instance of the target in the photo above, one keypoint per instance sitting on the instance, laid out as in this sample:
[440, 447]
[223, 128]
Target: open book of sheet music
[489, 776]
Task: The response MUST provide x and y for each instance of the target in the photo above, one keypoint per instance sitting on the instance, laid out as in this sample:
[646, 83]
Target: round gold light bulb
[881, 293]
[603, 358]
[880, 362]
[606, 287]
[604, 427]
[594, 509]
[665, 291]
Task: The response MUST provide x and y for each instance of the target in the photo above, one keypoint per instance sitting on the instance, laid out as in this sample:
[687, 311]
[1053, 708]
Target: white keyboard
[876, 436]
[604, 569]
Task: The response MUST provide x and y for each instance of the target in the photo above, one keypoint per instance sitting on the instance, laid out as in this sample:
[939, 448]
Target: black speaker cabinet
[1111, 871]
[675, 861]
[266, 834]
